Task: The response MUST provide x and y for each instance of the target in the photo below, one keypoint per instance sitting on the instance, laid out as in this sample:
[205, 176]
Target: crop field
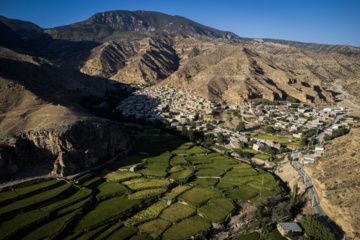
[110, 188]
[127, 162]
[155, 227]
[81, 194]
[147, 193]
[177, 212]
[121, 176]
[176, 192]
[37, 198]
[212, 213]
[205, 181]
[148, 214]
[210, 172]
[187, 228]
[196, 196]
[283, 140]
[106, 210]
[220, 166]
[181, 175]
[141, 183]
[178, 160]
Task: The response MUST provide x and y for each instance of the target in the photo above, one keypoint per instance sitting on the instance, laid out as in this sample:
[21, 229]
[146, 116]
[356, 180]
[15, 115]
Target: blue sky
[318, 21]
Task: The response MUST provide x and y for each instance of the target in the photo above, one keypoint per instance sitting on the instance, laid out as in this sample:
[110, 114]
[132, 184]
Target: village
[184, 110]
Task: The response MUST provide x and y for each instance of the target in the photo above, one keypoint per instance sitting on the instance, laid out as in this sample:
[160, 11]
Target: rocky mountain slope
[43, 130]
[44, 73]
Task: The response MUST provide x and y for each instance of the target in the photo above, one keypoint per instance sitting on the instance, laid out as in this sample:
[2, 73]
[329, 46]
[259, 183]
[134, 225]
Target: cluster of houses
[179, 107]
[288, 118]
[152, 102]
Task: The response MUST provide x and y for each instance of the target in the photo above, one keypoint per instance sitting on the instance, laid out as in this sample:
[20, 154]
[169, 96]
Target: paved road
[314, 199]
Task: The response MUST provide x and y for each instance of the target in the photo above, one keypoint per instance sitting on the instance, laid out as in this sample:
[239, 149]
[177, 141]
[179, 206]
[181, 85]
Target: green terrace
[177, 191]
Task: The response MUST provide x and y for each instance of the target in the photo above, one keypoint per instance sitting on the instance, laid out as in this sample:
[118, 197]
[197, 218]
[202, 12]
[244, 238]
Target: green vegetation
[106, 210]
[177, 212]
[122, 234]
[315, 229]
[176, 192]
[240, 127]
[282, 140]
[141, 183]
[220, 166]
[212, 213]
[242, 193]
[147, 193]
[73, 207]
[50, 229]
[155, 227]
[37, 186]
[248, 236]
[209, 172]
[337, 133]
[197, 196]
[205, 181]
[121, 176]
[182, 175]
[92, 182]
[148, 214]
[127, 162]
[81, 194]
[222, 204]
[178, 160]
[20, 221]
[187, 228]
[269, 129]
[108, 231]
[37, 198]
[291, 99]
[107, 189]
[195, 179]
[4, 196]
[275, 235]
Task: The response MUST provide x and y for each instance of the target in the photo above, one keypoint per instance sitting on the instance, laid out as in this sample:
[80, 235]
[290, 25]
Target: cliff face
[83, 145]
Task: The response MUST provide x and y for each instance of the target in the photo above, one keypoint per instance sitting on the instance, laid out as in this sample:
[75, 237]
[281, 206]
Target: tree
[220, 138]
[315, 229]
[230, 119]
[269, 129]
[191, 135]
[193, 124]
[240, 127]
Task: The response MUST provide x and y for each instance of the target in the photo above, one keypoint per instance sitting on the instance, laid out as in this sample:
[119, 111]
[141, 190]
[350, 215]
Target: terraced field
[178, 191]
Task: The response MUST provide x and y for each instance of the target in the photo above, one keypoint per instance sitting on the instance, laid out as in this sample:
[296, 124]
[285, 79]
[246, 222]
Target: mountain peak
[122, 24]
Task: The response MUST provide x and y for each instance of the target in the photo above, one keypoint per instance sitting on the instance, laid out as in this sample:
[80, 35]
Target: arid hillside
[42, 129]
[336, 180]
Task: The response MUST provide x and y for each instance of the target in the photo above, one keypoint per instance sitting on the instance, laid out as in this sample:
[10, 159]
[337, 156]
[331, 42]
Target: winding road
[314, 199]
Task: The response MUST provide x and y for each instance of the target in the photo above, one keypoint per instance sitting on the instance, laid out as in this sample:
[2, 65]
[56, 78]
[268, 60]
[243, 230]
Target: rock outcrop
[83, 145]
